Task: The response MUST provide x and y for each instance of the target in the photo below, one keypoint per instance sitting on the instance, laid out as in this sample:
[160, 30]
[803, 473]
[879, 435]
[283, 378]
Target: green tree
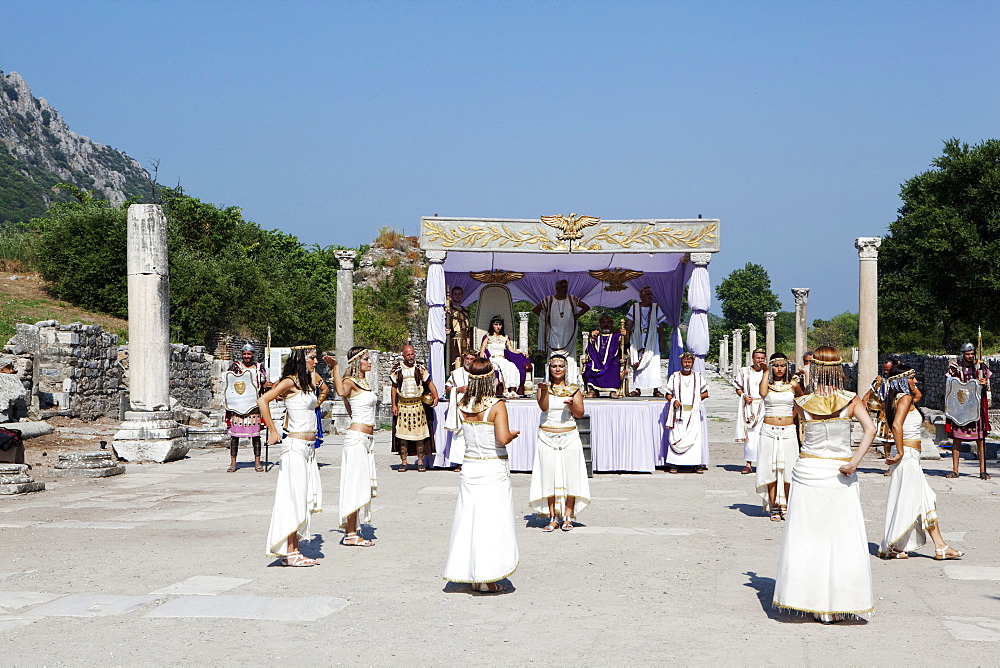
[745, 296]
[936, 266]
[840, 331]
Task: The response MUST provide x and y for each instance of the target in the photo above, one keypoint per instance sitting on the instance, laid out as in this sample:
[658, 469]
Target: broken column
[801, 323]
[149, 432]
[724, 355]
[14, 479]
[345, 303]
[769, 317]
[98, 464]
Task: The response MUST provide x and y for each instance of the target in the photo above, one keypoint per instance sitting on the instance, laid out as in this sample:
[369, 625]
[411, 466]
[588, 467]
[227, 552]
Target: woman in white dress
[559, 485]
[824, 565]
[494, 347]
[358, 483]
[779, 442]
[483, 547]
[298, 493]
[911, 512]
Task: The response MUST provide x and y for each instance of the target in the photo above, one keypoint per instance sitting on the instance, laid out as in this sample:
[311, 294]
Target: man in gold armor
[458, 327]
[413, 399]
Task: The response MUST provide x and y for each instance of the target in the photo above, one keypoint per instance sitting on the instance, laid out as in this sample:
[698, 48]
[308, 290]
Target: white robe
[557, 332]
[686, 434]
[298, 494]
[645, 337]
[749, 417]
[453, 421]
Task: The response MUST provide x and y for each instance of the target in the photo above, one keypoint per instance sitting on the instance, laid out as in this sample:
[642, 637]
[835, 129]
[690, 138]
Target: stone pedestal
[99, 464]
[345, 302]
[149, 432]
[14, 479]
[801, 323]
[867, 310]
[522, 330]
[769, 317]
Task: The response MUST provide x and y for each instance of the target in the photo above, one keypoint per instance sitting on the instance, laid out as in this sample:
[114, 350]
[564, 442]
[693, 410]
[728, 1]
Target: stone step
[22, 488]
[103, 472]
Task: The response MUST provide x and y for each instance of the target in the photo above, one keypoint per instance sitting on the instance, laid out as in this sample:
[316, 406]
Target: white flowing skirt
[911, 506]
[558, 470]
[456, 452]
[824, 564]
[358, 482]
[508, 370]
[297, 495]
[648, 377]
[483, 547]
[779, 448]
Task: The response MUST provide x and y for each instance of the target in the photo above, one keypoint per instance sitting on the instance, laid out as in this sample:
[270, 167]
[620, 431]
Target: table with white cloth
[625, 434]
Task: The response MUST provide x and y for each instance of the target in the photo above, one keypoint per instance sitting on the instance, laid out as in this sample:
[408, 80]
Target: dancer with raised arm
[824, 567]
[559, 485]
[358, 481]
[298, 492]
[483, 547]
[779, 443]
[911, 508]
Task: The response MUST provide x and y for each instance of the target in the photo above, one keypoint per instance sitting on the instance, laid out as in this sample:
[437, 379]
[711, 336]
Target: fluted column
[522, 330]
[345, 301]
[753, 342]
[801, 323]
[769, 317]
[867, 310]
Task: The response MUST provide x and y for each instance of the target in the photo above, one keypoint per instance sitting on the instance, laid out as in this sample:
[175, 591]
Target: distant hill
[38, 150]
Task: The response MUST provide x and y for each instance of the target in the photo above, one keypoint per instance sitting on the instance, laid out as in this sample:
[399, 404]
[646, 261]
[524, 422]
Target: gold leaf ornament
[570, 225]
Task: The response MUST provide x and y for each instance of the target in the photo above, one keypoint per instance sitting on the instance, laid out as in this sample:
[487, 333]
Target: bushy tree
[840, 331]
[937, 276]
[745, 296]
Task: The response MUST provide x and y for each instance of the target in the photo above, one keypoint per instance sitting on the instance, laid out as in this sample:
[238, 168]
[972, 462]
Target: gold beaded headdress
[305, 347]
[479, 390]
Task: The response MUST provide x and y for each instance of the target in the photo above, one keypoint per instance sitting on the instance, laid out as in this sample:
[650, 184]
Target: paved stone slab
[20, 599]
[302, 609]
[970, 572]
[668, 531]
[91, 605]
[104, 472]
[973, 628]
[10, 623]
[89, 525]
[725, 492]
[449, 491]
[957, 536]
[201, 585]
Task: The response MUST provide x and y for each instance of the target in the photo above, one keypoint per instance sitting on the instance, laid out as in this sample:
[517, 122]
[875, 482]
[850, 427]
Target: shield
[962, 400]
[241, 392]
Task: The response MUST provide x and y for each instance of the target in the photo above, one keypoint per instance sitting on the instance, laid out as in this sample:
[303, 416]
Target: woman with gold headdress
[298, 493]
[483, 546]
[559, 485]
[911, 508]
[779, 444]
[824, 564]
[357, 467]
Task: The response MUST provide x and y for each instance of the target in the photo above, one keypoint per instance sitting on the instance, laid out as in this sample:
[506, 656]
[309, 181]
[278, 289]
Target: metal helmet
[248, 348]
[967, 347]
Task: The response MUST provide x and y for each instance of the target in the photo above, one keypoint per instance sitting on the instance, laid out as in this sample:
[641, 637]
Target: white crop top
[363, 408]
[779, 404]
[300, 412]
[559, 416]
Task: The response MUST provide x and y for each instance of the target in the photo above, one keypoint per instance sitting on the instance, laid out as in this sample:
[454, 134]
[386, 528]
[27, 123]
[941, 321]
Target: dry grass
[390, 238]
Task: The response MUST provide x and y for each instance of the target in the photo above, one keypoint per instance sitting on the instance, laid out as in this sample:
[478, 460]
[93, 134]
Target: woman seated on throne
[511, 363]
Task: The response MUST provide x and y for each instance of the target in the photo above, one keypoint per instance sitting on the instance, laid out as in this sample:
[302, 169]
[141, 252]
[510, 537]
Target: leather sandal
[231, 469]
[942, 554]
[951, 474]
[775, 515]
[551, 526]
[354, 540]
[488, 587]
[746, 470]
[298, 560]
[893, 553]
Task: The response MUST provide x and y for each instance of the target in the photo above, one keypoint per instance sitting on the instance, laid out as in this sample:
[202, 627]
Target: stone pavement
[165, 565]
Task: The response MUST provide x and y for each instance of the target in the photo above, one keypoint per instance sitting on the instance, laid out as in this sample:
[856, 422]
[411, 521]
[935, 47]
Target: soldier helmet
[966, 347]
[248, 348]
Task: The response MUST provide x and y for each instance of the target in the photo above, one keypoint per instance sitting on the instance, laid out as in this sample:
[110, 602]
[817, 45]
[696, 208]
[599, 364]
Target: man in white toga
[645, 325]
[750, 409]
[558, 316]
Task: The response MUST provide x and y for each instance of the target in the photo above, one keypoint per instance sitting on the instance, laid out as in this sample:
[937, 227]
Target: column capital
[523, 315]
[701, 259]
[346, 258]
[769, 316]
[436, 257]
[725, 337]
[868, 247]
[801, 295]
[752, 327]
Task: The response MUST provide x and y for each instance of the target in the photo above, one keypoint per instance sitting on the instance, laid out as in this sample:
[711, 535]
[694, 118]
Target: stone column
[737, 349]
[801, 323]
[522, 330]
[724, 355]
[149, 432]
[753, 341]
[345, 302]
[867, 310]
[769, 317]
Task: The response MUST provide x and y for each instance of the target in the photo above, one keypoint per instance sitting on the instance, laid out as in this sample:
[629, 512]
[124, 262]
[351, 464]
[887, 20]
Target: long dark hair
[898, 382]
[295, 365]
[494, 319]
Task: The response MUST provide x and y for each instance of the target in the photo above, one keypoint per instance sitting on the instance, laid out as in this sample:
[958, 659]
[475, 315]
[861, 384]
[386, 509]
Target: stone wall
[930, 375]
[191, 376]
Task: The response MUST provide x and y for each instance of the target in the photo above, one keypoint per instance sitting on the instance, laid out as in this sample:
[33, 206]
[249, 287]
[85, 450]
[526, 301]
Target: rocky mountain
[38, 150]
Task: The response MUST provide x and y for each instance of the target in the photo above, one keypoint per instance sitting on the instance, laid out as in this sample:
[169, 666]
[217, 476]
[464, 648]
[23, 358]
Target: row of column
[867, 321]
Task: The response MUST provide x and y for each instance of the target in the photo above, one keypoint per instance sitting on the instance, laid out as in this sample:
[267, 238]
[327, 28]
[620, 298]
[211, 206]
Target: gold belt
[482, 459]
[407, 400]
[839, 459]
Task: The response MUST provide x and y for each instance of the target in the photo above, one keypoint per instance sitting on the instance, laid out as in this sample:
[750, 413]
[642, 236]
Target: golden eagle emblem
[240, 387]
[615, 278]
[962, 396]
[570, 225]
[500, 277]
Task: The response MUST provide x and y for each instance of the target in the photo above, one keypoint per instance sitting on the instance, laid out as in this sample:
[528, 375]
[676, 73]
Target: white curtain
[435, 298]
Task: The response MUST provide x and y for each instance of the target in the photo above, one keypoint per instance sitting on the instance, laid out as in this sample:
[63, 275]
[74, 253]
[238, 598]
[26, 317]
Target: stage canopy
[669, 253]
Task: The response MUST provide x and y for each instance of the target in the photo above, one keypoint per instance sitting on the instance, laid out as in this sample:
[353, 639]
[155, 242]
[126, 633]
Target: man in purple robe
[603, 369]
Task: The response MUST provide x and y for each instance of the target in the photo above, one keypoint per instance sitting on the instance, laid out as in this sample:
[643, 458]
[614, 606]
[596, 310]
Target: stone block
[104, 472]
[22, 488]
[161, 450]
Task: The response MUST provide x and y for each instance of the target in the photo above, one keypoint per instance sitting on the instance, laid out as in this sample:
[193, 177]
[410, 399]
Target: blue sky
[793, 122]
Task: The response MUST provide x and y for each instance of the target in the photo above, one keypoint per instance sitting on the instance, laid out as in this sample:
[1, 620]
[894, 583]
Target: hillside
[23, 299]
[38, 150]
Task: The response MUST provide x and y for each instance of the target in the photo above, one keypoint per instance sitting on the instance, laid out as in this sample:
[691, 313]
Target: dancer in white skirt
[559, 485]
[298, 493]
[910, 512]
[358, 482]
[824, 565]
[483, 548]
[779, 443]
[686, 389]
